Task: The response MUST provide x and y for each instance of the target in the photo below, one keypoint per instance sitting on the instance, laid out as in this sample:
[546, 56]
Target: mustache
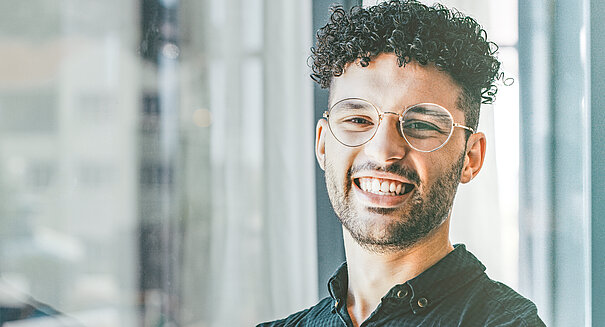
[396, 169]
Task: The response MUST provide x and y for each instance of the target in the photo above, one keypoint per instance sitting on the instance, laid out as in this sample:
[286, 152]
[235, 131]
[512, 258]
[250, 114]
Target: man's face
[427, 182]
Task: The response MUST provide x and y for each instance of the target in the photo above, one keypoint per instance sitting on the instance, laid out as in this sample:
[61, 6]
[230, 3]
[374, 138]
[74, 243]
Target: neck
[373, 274]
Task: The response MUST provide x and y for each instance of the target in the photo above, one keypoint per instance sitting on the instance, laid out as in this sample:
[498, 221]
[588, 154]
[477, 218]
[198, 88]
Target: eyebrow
[438, 115]
[422, 109]
[355, 105]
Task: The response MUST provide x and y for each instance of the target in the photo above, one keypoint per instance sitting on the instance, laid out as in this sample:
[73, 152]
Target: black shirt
[453, 292]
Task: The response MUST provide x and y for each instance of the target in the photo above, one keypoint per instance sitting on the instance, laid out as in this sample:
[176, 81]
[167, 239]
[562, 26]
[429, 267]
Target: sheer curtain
[250, 253]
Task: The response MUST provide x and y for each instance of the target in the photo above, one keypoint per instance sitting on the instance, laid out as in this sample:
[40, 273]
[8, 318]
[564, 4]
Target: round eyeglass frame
[381, 114]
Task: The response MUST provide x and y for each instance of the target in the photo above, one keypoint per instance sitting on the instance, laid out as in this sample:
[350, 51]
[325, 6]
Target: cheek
[440, 164]
[339, 157]
[431, 167]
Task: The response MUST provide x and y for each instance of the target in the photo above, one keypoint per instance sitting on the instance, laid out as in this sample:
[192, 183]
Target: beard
[401, 227]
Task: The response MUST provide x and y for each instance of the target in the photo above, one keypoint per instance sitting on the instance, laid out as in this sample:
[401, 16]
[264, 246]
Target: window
[149, 169]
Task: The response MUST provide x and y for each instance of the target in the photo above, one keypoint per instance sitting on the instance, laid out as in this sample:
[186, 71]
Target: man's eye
[420, 126]
[359, 121]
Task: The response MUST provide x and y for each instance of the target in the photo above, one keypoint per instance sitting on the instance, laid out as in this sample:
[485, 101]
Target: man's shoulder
[500, 305]
[303, 317]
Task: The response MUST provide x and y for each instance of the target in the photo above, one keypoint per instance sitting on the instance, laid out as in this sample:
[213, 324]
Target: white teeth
[366, 184]
[382, 187]
[375, 186]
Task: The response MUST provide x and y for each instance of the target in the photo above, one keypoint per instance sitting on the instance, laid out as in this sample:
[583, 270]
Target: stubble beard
[423, 212]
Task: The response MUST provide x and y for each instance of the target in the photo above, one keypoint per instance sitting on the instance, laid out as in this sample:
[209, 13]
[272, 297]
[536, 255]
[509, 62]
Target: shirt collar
[455, 270]
[338, 283]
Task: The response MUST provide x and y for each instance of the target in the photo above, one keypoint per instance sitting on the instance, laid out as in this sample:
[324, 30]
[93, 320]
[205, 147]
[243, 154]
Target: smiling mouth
[381, 186]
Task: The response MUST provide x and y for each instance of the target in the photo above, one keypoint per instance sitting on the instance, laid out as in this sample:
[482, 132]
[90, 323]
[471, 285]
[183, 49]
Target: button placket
[335, 307]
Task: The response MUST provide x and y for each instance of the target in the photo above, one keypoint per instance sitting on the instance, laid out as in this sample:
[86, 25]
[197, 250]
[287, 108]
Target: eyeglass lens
[426, 127]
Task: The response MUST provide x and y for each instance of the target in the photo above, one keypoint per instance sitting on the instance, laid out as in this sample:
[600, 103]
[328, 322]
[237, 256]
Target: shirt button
[423, 302]
[402, 293]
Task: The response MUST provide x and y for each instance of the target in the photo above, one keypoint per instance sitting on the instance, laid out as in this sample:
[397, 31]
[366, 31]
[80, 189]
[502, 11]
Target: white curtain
[250, 242]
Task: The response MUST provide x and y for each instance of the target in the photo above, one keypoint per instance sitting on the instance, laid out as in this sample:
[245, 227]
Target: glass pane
[67, 160]
[146, 177]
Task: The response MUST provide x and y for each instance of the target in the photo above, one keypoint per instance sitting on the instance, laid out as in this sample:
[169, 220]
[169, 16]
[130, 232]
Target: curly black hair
[452, 41]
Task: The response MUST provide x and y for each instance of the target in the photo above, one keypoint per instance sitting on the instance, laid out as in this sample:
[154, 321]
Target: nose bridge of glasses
[387, 143]
[399, 118]
[382, 114]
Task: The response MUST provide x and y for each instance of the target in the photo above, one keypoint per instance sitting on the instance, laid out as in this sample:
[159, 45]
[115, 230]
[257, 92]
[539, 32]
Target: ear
[475, 154]
[320, 142]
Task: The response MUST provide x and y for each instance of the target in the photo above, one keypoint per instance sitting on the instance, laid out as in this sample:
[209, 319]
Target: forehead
[394, 88]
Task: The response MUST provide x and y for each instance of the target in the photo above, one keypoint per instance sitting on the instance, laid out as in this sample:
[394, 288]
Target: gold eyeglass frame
[381, 114]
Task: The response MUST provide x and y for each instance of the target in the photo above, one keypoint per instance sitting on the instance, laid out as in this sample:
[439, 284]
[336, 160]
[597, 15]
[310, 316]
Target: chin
[391, 229]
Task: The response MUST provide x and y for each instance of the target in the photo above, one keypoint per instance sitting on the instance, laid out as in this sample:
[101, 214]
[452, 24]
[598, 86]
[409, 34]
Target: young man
[406, 82]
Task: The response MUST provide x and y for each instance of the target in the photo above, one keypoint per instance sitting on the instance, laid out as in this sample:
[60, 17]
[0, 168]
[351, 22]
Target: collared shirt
[453, 292]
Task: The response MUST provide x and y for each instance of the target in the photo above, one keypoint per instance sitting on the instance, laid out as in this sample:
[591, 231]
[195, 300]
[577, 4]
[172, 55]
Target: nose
[387, 145]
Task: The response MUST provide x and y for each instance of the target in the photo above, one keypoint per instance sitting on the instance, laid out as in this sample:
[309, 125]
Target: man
[406, 82]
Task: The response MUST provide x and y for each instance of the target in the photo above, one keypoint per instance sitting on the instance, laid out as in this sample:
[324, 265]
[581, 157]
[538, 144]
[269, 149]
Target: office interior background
[157, 164]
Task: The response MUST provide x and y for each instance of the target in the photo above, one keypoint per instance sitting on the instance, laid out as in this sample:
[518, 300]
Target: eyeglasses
[426, 127]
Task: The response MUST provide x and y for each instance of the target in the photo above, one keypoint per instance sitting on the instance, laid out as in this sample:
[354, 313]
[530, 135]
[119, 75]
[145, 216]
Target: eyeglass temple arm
[465, 127]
